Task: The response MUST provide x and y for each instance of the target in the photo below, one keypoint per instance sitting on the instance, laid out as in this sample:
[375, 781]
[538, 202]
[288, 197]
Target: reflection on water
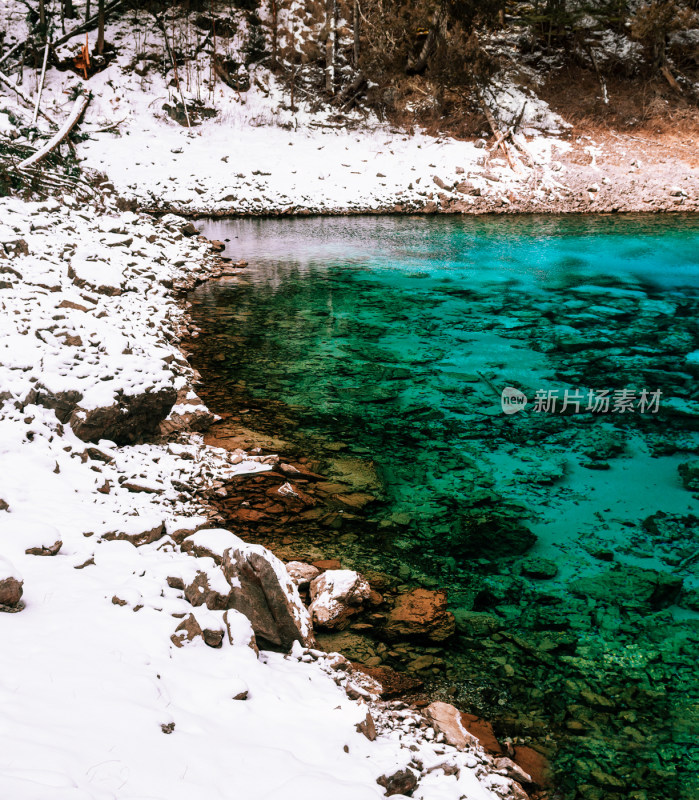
[395, 336]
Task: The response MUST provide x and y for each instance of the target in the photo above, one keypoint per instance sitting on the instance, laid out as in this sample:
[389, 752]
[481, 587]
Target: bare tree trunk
[42, 15]
[68, 10]
[275, 32]
[356, 34]
[87, 10]
[437, 31]
[100, 28]
[330, 48]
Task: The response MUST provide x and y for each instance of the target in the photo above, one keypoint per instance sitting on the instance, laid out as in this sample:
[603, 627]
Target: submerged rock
[689, 472]
[538, 568]
[630, 587]
[421, 613]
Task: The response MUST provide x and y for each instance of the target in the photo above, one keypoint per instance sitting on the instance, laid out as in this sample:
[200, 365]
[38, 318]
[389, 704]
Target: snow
[7, 570]
[257, 156]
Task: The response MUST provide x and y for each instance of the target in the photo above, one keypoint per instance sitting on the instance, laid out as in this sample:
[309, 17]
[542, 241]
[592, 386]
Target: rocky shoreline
[115, 522]
[335, 596]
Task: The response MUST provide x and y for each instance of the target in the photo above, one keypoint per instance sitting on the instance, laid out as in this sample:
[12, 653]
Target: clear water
[395, 336]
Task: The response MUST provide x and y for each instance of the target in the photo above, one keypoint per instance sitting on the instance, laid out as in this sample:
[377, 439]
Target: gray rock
[263, 591]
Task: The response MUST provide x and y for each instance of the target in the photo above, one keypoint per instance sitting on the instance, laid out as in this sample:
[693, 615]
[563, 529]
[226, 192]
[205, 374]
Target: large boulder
[10, 587]
[421, 613]
[130, 418]
[337, 595]
[263, 591]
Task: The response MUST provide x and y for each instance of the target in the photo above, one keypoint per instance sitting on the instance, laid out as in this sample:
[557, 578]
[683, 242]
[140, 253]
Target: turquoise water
[396, 337]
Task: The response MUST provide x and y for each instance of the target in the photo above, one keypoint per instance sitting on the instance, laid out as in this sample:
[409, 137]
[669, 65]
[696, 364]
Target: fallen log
[11, 51]
[670, 78]
[80, 106]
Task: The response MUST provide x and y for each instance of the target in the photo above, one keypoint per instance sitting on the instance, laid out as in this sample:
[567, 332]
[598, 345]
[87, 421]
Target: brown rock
[186, 631]
[188, 229]
[301, 573]
[393, 683]
[367, 727]
[136, 488]
[262, 590]
[51, 550]
[483, 731]
[401, 782]
[336, 596]
[71, 304]
[534, 764]
[446, 719]
[137, 537]
[213, 638]
[10, 592]
[423, 613]
[132, 418]
[509, 769]
[199, 592]
[328, 563]
[217, 246]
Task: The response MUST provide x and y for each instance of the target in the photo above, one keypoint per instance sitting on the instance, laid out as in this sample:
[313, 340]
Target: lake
[517, 397]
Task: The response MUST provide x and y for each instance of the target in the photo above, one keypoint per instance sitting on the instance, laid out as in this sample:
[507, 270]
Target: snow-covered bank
[257, 156]
[100, 700]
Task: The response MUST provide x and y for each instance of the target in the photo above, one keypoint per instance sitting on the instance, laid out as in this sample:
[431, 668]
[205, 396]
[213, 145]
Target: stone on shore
[11, 584]
[301, 573]
[211, 542]
[263, 591]
[336, 596]
[131, 418]
[210, 589]
[446, 719]
[403, 782]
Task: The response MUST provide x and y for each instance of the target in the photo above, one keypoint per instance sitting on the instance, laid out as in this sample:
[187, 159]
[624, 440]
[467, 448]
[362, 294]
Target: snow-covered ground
[97, 700]
[258, 156]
